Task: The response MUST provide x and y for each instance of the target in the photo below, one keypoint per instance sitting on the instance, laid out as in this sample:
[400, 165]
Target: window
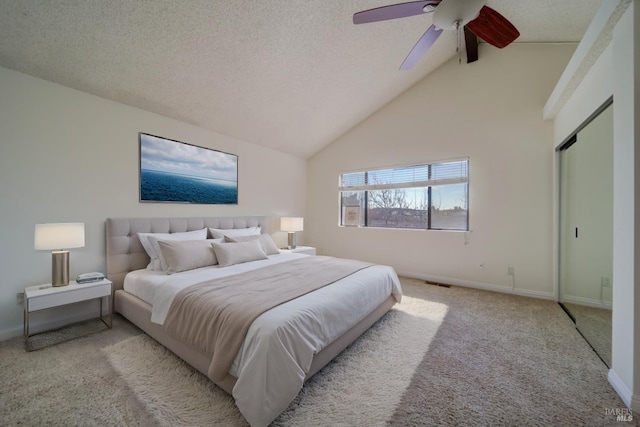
[431, 196]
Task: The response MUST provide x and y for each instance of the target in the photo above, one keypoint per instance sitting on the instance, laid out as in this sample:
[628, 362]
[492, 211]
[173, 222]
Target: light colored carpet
[446, 356]
[67, 384]
[506, 360]
[362, 387]
[172, 392]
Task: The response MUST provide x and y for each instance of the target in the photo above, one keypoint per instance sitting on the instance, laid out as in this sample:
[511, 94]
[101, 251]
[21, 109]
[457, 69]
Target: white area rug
[361, 387]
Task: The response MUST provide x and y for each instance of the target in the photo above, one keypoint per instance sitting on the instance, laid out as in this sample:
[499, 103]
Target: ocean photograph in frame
[176, 172]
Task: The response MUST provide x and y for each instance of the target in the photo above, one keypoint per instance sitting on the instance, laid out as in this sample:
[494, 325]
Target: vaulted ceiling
[292, 75]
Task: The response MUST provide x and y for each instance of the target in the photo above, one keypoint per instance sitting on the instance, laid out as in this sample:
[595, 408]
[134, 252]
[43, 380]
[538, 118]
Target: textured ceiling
[292, 75]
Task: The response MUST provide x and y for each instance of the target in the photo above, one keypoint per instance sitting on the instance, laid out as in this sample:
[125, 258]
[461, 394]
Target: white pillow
[268, 245]
[218, 233]
[236, 253]
[183, 255]
[152, 246]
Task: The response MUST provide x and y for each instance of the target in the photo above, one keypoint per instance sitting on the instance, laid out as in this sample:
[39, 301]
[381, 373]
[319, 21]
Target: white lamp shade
[291, 224]
[65, 235]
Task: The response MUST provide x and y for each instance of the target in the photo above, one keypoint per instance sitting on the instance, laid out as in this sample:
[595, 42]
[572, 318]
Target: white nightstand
[309, 250]
[43, 297]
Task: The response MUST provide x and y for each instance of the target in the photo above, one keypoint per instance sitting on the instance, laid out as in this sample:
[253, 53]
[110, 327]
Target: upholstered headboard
[125, 252]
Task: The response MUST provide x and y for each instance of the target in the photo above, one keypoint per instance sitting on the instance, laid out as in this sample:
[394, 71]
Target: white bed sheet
[290, 334]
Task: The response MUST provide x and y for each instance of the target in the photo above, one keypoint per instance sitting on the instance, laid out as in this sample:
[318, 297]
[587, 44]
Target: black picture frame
[172, 171]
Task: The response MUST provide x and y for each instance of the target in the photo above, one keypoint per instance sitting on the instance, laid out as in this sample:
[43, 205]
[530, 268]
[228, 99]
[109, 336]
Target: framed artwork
[352, 216]
[177, 172]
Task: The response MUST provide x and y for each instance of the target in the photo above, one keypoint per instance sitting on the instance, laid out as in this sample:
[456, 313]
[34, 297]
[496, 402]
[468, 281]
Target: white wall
[490, 111]
[66, 156]
[625, 367]
[595, 89]
[617, 73]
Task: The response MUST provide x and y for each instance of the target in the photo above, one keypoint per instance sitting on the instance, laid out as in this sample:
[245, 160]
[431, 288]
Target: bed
[267, 373]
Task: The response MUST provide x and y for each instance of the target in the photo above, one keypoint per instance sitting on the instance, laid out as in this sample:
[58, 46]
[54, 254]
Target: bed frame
[125, 253]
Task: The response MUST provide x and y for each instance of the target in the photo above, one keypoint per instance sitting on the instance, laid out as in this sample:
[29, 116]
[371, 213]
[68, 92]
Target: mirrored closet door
[586, 230]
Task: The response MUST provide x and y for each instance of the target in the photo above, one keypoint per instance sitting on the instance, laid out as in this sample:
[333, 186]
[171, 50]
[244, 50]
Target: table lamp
[58, 237]
[291, 225]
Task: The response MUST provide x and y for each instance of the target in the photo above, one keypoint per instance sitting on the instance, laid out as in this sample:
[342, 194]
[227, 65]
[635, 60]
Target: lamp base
[59, 268]
[292, 241]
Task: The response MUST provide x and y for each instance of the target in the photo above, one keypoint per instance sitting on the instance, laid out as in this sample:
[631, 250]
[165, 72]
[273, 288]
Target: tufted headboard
[125, 252]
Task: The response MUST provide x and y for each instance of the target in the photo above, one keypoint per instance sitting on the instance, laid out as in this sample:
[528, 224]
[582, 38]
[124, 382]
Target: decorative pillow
[183, 255]
[155, 243]
[236, 253]
[268, 245]
[152, 246]
[219, 233]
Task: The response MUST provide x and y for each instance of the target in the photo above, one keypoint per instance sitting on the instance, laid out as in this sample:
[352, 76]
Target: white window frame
[417, 182]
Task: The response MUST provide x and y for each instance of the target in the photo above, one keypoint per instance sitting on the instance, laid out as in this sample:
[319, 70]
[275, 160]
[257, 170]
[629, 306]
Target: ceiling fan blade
[393, 11]
[471, 45]
[493, 28]
[421, 47]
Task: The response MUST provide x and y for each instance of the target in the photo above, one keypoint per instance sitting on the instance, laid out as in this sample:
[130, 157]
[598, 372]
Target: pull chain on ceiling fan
[458, 40]
[470, 16]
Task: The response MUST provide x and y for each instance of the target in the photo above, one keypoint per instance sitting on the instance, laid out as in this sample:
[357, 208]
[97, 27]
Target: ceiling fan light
[450, 11]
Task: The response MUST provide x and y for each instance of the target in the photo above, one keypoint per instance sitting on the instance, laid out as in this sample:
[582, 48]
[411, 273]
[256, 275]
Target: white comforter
[277, 352]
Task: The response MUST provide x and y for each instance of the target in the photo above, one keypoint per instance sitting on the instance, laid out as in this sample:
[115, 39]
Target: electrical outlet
[480, 265]
[605, 282]
[20, 298]
[510, 271]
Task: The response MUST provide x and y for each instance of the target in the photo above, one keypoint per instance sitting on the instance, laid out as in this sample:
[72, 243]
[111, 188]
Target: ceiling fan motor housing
[453, 14]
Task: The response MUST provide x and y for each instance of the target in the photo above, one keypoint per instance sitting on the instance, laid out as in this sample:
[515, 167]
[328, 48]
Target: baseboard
[478, 285]
[623, 391]
[587, 301]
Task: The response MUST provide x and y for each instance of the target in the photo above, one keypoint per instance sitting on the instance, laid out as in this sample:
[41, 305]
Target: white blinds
[427, 175]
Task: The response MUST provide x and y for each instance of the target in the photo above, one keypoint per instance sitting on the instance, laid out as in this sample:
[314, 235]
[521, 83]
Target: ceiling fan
[470, 16]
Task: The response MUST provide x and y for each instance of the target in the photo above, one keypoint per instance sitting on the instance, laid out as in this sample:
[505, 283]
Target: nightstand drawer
[40, 299]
